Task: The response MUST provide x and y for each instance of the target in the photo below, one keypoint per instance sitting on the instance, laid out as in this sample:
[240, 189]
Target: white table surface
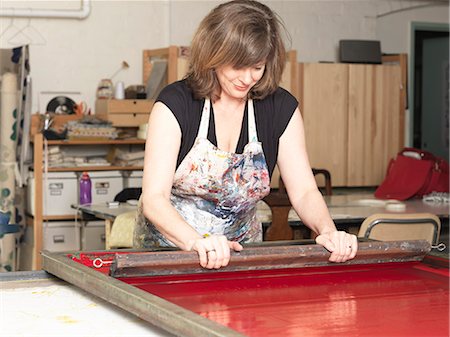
[50, 307]
[341, 207]
[360, 206]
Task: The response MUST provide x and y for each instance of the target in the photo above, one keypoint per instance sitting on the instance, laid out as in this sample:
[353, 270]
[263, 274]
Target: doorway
[429, 103]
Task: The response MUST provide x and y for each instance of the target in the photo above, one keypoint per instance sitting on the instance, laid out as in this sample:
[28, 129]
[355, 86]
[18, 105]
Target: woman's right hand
[214, 250]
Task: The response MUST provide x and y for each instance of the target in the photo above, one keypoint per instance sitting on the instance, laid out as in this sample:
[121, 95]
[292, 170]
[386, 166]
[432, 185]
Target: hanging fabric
[14, 143]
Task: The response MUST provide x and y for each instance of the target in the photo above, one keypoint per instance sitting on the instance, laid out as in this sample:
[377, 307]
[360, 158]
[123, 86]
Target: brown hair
[239, 33]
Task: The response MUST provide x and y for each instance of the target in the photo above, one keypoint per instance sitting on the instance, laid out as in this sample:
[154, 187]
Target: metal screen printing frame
[183, 322]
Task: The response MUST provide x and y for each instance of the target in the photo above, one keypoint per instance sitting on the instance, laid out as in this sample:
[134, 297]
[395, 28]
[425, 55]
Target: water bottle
[85, 189]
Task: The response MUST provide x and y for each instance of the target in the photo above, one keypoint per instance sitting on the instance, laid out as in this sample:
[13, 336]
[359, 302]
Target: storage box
[105, 185]
[93, 235]
[60, 236]
[60, 190]
[57, 236]
[132, 179]
[124, 112]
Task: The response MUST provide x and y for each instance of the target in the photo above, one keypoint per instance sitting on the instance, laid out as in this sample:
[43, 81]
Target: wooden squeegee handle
[265, 257]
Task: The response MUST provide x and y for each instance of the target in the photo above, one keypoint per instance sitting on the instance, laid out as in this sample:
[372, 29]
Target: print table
[38, 304]
[347, 211]
[273, 290]
[107, 213]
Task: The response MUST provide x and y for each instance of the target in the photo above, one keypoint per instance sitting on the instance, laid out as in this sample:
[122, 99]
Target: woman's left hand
[343, 246]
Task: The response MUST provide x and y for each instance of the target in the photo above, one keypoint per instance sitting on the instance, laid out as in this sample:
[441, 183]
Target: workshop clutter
[91, 128]
[70, 157]
[61, 190]
[128, 158]
[57, 156]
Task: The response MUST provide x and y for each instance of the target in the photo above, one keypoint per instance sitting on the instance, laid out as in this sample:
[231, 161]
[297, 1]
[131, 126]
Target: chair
[326, 174]
[280, 206]
[122, 228]
[392, 227]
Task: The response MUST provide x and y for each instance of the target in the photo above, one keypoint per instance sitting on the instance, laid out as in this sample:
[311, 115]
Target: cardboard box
[132, 179]
[60, 190]
[57, 236]
[93, 235]
[105, 185]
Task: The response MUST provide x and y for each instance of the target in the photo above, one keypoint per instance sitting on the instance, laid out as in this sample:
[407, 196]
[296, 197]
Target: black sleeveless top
[272, 115]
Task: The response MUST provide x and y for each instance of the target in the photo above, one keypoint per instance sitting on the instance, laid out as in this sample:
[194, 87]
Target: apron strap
[252, 134]
[204, 122]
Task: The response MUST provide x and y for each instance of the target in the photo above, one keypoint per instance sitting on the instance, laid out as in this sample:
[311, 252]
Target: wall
[76, 54]
[395, 32]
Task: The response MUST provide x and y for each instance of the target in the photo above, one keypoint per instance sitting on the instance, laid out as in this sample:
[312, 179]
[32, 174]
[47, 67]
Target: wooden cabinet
[125, 112]
[354, 119]
[323, 103]
[37, 220]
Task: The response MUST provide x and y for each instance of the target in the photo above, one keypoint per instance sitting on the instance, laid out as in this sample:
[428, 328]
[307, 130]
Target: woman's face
[236, 83]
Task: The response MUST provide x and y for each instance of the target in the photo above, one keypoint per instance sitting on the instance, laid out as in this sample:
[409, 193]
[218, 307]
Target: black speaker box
[359, 51]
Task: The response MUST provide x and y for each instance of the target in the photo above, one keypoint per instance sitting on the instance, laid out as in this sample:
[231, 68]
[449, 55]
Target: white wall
[78, 53]
[395, 29]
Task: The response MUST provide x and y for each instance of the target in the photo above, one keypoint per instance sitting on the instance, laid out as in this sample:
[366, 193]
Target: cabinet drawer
[130, 119]
[115, 106]
[127, 112]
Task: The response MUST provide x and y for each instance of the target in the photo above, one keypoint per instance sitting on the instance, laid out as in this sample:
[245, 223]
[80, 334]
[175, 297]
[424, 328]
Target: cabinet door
[324, 101]
[375, 122]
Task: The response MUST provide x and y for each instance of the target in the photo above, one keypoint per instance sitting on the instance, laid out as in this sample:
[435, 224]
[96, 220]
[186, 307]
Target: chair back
[326, 175]
[393, 227]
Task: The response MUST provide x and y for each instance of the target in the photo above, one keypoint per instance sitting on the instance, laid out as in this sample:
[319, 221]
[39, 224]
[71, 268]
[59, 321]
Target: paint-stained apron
[215, 191]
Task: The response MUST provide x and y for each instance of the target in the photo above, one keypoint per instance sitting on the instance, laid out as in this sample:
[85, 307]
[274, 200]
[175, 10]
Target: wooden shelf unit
[69, 142]
[94, 168]
[38, 219]
[177, 62]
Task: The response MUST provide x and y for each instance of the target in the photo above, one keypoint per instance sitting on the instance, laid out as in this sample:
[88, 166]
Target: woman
[215, 137]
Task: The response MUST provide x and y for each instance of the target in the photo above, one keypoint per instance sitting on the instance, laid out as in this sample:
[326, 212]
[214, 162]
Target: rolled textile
[8, 139]
[8, 117]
